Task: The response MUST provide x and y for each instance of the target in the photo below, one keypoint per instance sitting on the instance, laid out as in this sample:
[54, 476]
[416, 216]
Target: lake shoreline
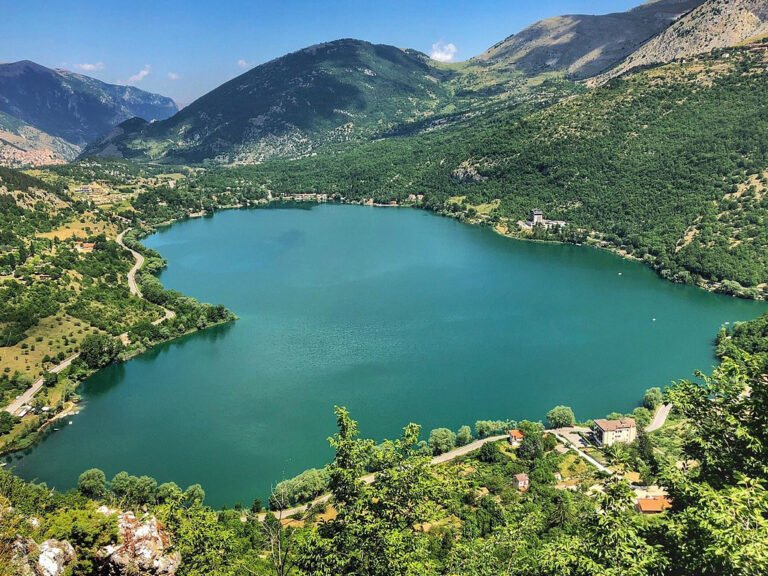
[146, 230]
[284, 234]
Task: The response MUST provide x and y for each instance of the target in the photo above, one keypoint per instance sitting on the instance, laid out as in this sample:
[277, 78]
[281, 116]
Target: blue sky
[184, 48]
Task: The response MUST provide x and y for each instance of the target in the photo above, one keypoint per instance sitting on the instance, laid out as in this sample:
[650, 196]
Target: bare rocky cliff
[582, 46]
[714, 24]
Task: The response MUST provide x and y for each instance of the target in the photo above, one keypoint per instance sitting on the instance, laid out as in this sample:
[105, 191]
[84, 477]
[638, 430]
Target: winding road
[26, 397]
[369, 478]
[132, 285]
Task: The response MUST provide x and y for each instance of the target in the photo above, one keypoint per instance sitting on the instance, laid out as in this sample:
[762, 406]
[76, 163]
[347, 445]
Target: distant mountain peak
[53, 113]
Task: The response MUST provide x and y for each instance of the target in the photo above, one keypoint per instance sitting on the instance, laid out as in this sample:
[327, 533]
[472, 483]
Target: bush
[653, 398]
[302, 488]
[484, 428]
[560, 417]
[464, 436]
[441, 440]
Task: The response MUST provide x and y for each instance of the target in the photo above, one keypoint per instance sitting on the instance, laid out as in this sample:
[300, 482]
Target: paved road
[132, 286]
[25, 398]
[659, 418]
[369, 478]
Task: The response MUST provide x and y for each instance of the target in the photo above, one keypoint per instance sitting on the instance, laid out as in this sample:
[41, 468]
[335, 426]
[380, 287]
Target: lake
[398, 314]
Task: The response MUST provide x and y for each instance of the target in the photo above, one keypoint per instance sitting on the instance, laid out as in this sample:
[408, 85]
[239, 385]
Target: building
[608, 432]
[85, 247]
[515, 437]
[536, 218]
[653, 505]
[521, 482]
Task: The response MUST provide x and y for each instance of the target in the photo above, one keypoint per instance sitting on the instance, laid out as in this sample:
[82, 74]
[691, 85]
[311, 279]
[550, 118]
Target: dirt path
[369, 478]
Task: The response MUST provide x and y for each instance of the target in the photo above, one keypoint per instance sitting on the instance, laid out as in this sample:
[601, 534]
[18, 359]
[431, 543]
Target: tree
[464, 436]
[653, 398]
[194, 494]
[280, 543]
[50, 379]
[642, 417]
[532, 446]
[7, 422]
[374, 532]
[168, 492]
[97, 350]
[560, 417]
[92, 484]
[441, 440]
[489, 453]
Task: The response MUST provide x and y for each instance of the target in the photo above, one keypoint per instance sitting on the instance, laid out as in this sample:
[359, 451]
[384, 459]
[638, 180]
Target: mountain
[667, 164]
[714, 24]
[353, 91]
[581, 46]
[55, 110]
[334, 92]
[22, 144]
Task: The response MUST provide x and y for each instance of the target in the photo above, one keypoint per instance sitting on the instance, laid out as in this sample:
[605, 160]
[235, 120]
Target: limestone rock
[143, 548]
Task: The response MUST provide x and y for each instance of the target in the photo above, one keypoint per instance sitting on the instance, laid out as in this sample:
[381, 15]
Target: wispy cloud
[86, 67]
[173, 76]
[139, 76]
[443, 52]
[243, 63]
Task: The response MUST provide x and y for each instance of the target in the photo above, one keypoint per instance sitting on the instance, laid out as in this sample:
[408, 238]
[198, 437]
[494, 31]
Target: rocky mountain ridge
[715, 24]
[48, 115]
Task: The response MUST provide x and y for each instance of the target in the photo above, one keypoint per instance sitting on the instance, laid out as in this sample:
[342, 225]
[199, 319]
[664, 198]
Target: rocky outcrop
[51, 558]
[467, 173]
[583, 45]
[714, 24]
[143, 548]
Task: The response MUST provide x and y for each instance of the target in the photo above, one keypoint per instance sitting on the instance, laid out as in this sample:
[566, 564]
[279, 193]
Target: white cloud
[173, 76]
[443, 52]
[243, 64]
[139, 76]
[85, 67]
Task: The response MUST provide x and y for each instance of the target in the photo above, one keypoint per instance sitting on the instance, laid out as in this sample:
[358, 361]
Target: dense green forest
[667, 164]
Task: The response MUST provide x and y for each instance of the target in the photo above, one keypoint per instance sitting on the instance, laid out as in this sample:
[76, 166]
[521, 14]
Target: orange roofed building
[654, 505]
[515, 437]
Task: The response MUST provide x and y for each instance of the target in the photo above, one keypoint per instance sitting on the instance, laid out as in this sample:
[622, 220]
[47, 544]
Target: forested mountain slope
[668, 165]
[351, 91]
[328, 93]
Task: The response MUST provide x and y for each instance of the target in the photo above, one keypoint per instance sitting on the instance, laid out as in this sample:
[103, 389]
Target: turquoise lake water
[398, 314]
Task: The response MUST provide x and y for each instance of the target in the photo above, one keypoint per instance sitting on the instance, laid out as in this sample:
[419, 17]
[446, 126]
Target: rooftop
[653, 505]
[516, 434]
[613, 425]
